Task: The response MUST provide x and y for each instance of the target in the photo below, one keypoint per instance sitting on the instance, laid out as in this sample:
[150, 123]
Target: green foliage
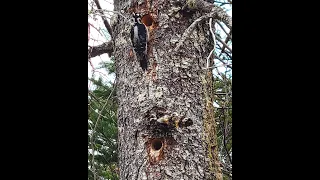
[109, 66]
[102, 134]
[223, 116]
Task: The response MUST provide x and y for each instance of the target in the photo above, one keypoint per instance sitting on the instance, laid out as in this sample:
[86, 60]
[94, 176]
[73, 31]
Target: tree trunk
[165, 116]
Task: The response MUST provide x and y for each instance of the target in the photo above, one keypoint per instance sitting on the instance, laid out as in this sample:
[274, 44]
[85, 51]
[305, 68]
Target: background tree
[146, 151]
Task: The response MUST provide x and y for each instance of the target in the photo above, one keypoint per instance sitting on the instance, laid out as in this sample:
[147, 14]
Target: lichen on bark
[210, 135]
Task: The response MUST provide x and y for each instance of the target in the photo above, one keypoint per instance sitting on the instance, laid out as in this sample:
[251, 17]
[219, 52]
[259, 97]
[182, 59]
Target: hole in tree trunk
[155, 149]
[147, 20]
[156, 144]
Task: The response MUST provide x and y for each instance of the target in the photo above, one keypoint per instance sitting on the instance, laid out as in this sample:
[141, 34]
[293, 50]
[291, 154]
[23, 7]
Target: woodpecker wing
[132, 36]
[142, 38]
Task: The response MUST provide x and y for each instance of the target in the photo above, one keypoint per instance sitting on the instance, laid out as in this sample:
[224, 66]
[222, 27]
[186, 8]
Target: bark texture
[176, 89]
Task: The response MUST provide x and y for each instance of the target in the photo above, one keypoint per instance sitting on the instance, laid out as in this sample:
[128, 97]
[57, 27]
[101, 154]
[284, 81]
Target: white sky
[99, 38]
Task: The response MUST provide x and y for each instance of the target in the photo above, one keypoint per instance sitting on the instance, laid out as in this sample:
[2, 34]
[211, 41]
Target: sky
[99, 38]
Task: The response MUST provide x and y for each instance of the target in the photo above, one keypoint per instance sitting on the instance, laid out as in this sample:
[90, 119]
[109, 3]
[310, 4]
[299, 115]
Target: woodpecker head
[137, 17]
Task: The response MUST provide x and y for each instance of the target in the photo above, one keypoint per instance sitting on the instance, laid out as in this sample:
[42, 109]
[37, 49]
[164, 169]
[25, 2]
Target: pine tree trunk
[176, 88]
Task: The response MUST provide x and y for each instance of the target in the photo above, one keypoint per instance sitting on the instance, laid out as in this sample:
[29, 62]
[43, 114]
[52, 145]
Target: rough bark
[177, 89]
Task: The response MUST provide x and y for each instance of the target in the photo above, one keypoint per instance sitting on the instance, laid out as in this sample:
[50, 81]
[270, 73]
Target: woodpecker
[139, 38]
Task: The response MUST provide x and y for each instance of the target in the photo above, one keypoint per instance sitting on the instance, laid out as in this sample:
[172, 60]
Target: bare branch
[116, 12]
[220, 40]
[98, 113]
[217, 13]
[214, 43]
[106, 23]
[94, 51]
[229, 37]
[225, 52]
[228, 34]
[96, 29]
[189, 30]
[91, 64]
[223, 47]
[225, 64]
[221, 15]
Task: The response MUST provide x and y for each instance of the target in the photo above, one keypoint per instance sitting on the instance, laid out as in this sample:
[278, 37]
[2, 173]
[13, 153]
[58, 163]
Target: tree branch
[220, 14]
[92, 95]
[229, 37]
[225, 51]
[116, 12]
[189, 30]
[94, 130]
[215, 13]
[94, 51]
[106, 23]
[214, 42]
[225, 64]
[224, 44]
[223, 47]
[228, 34]
[226, 172]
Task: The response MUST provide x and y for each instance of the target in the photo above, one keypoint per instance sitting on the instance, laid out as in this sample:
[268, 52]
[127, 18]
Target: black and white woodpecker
[139, 38]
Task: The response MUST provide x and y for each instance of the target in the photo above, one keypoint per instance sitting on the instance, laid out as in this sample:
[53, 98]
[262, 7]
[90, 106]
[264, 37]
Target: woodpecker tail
[143, 61]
